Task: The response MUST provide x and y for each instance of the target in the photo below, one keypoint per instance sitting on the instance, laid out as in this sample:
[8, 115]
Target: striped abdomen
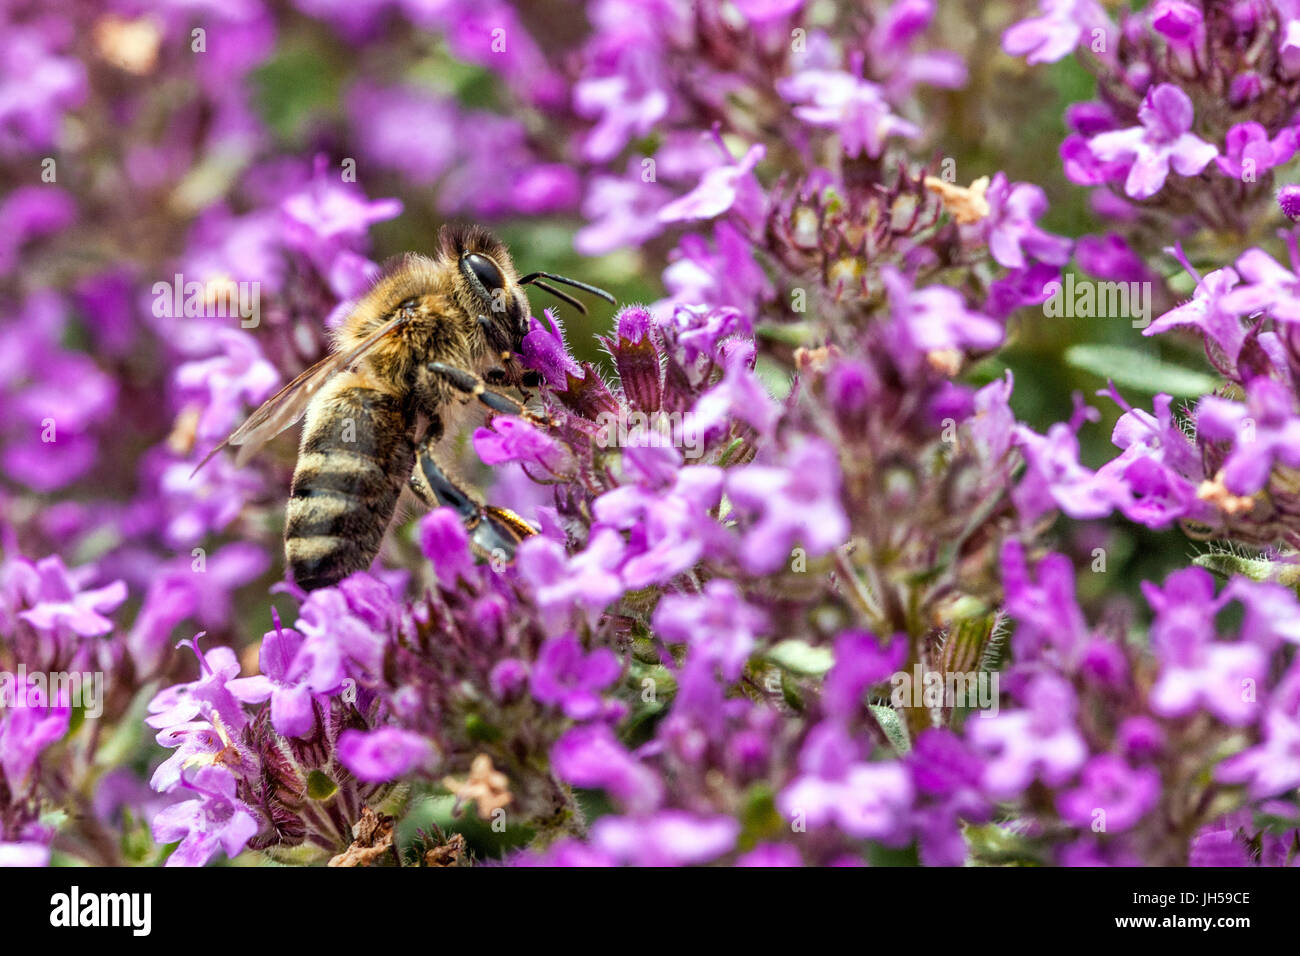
[356, 455]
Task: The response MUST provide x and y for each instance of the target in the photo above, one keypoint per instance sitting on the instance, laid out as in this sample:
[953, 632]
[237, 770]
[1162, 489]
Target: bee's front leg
[494, 533]
[471, 385]
[509, 372]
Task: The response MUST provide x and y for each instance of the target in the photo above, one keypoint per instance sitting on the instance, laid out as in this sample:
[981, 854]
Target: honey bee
[432, 335]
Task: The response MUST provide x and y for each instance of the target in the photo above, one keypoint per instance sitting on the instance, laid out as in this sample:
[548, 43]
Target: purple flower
[1250, 153]
[223, 384]
[209, 698]
[345, 629]
[860, 663]
[1196, 670]
[1083, 168]
[1056, 33]
[588, 581]
[515, 439]
[739, 396]
[1272, 615]
[37, 86]
[669, 838]
[545, 351]
[1178, 21]
[508, 678]
[498, 173]
[1038, 742]
[1262, 431]
[666, 512]
[932, 320]
[766, 11]
[328, 216]
[196, 505]
[902, 68]
[292, 713]
[29, 722]
[171, 598]
[796, 503]
[1288, 49]
[1160, 467]
[854, 107]
[726, 277]
[1110, 257]
[571, 679]
[1267, 285]
[1209, 313]
[215, 820]
[1140, 738]
[1012, 234]
[718, 191]
[1272, 767]
[1288, 200]
[699, 330]
[31, 212]
[387, 119]
[385, 754]
[947, 775]
[590, 756]
[445, 542]
[1048, 619]
[1218, 846]
[54, 600]
[1111, 795]
[770, 854]
[718, 624]
[1054, 478]
[471, 30]
[865, 800]
[1163, 139]
[621, 211]
[624, 106]
[566, 853]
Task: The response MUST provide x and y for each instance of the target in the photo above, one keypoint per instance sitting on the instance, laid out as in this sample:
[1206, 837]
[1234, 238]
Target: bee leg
[494, 533]
[513, 374]
[494, 334]
[473, 386]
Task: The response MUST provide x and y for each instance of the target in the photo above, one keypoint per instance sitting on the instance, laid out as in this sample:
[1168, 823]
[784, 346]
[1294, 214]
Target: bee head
[490, 278]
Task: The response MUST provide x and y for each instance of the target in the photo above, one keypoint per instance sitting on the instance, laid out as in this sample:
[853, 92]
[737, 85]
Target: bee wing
[286, 406]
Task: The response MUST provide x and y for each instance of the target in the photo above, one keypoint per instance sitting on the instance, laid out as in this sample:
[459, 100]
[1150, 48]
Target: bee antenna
[563, 296]
[532, 277]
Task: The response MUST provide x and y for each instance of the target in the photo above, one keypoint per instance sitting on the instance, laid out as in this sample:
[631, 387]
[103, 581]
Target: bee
[431, 336]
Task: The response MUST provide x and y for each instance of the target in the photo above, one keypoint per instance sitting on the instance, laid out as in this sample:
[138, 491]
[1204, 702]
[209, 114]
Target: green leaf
[891, 722]
[792, 334]
[760, 820]
[801, 658]
[293, 87]
[476, 728]
[128, 736]
[1228, 564]
[320, 786]
[1131, 368]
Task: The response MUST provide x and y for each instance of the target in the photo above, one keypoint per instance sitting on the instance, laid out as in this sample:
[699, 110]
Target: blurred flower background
[972, 324]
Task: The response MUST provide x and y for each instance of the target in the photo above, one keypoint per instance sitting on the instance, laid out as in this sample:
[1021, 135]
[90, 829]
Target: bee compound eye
[486, 271]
